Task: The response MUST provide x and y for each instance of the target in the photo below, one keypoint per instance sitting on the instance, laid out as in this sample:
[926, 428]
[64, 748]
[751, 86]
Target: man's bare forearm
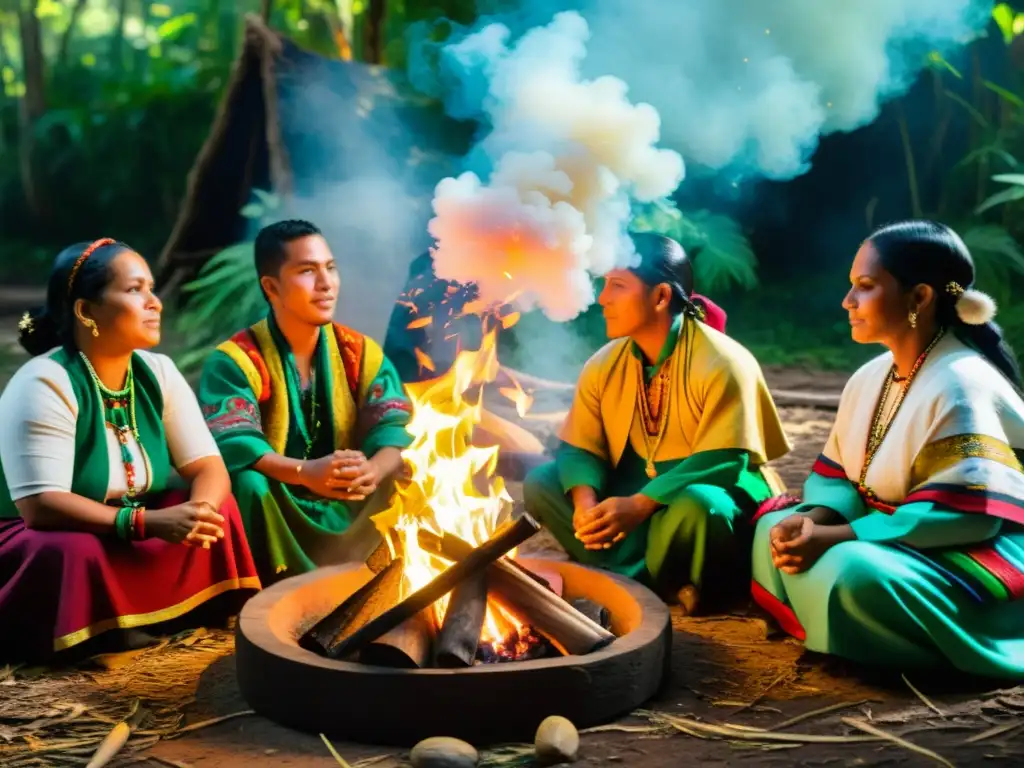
[280, 468]
[583, 497]
[388, 461]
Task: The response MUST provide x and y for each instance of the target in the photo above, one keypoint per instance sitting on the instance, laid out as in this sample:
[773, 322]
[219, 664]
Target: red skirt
[61, 588]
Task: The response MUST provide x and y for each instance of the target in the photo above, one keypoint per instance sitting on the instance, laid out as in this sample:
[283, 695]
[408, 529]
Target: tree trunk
[117, 41]
[140, 56]
[373, 32]
[31, 108]
[65, 40]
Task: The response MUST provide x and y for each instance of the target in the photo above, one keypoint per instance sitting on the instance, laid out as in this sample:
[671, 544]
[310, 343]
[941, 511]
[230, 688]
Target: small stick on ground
[211, 721]
[334, 752]
[760, 696]
[868, 728]
[999, 730]
[927, 702]
[816, 712]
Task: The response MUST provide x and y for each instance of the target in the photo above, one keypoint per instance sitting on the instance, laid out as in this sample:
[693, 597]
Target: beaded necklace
[653, 400]
[880, 426]
[310, 435]
[119, 414]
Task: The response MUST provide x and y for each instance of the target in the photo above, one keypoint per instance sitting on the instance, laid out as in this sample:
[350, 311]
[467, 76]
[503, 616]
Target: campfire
[446, 589]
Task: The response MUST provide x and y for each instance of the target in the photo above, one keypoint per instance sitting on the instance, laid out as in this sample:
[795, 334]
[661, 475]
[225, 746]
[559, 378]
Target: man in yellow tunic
[309, 415]
[663, 452]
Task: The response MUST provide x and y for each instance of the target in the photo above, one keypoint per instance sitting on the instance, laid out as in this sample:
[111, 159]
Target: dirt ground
[732, 671]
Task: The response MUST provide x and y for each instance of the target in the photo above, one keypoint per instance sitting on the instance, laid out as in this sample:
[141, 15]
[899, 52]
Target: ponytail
[38, 332]
[987, 339]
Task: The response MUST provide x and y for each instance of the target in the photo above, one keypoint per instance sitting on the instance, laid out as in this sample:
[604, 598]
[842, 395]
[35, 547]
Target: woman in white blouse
[908, 548]
[115, 506]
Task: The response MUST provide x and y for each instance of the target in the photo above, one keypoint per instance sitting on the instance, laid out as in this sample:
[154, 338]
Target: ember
[520, 645]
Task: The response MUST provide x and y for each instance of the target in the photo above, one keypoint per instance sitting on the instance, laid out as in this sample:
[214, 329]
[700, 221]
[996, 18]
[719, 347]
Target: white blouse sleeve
[38, 413]
[188, 437]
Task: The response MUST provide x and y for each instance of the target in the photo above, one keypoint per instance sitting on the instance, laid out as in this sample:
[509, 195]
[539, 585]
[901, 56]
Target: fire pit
[485, 703]
[444, 631]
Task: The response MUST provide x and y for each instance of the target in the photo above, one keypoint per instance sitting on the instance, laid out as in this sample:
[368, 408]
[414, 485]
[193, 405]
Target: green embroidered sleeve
[726, 468]
[232, 413]
[578, 467]
[385, 413]
[837, 494]
[922, 525]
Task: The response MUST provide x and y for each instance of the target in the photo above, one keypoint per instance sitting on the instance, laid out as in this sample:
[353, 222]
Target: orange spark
[421, 322]
[423, 359]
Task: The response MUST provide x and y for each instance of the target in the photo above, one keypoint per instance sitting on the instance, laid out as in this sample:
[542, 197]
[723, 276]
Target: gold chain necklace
[879, 426]
[661, 384]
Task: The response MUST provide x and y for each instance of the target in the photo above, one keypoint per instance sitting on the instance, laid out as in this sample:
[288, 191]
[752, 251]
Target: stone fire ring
[484, 704]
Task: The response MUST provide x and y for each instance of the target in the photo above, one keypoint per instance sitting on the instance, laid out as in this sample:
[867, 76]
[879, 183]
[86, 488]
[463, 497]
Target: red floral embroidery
[247, 343]
[351, 345]
[234, 413]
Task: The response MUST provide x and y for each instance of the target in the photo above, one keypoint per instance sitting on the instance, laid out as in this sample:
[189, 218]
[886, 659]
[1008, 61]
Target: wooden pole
[369, 601]
[459, 638]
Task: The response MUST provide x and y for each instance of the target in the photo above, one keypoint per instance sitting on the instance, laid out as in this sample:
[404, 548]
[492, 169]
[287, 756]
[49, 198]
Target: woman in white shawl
[908, 547]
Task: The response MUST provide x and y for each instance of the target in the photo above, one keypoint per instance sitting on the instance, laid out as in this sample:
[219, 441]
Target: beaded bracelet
[139, 524]
[123, 523]
[130, 523]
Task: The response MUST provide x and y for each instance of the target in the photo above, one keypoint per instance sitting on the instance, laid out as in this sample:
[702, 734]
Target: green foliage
[998, 257]
[1008, 195]
[726, 259]
[1010, 23]
[129, 101]
[226, 290]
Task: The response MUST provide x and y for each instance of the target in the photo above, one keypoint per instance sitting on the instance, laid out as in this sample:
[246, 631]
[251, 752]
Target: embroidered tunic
[719, 430]
[254, 402]
[937, 570]
[61, 588]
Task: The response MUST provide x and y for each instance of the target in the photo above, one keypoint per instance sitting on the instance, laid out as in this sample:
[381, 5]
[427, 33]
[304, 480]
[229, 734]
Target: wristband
[123, 523]
[139, 524]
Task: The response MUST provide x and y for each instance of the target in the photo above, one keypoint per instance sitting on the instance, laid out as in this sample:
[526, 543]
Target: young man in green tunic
[309, 415]
[663, 450]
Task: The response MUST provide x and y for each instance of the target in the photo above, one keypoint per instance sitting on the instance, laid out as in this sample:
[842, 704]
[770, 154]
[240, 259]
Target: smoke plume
[741, 88]
[561, 160]
[748, 87]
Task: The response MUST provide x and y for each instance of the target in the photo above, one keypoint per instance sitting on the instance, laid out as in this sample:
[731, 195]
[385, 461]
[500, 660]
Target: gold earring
[912, 317]
[91, 324]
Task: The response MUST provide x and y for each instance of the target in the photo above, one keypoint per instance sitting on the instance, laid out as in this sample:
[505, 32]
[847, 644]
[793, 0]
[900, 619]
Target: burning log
[569, 630]
[406, 646]
[371, 600]
[475, 561]
[380, 558]
[463, 623]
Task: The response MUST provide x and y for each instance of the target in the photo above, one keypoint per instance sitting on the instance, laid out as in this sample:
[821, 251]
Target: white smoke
[750, 86]
[566, 156]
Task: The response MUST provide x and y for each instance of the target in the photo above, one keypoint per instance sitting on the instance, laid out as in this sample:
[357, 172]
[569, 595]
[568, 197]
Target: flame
[423, 360]
[522, 400]
[509, 320]
[451, 484]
